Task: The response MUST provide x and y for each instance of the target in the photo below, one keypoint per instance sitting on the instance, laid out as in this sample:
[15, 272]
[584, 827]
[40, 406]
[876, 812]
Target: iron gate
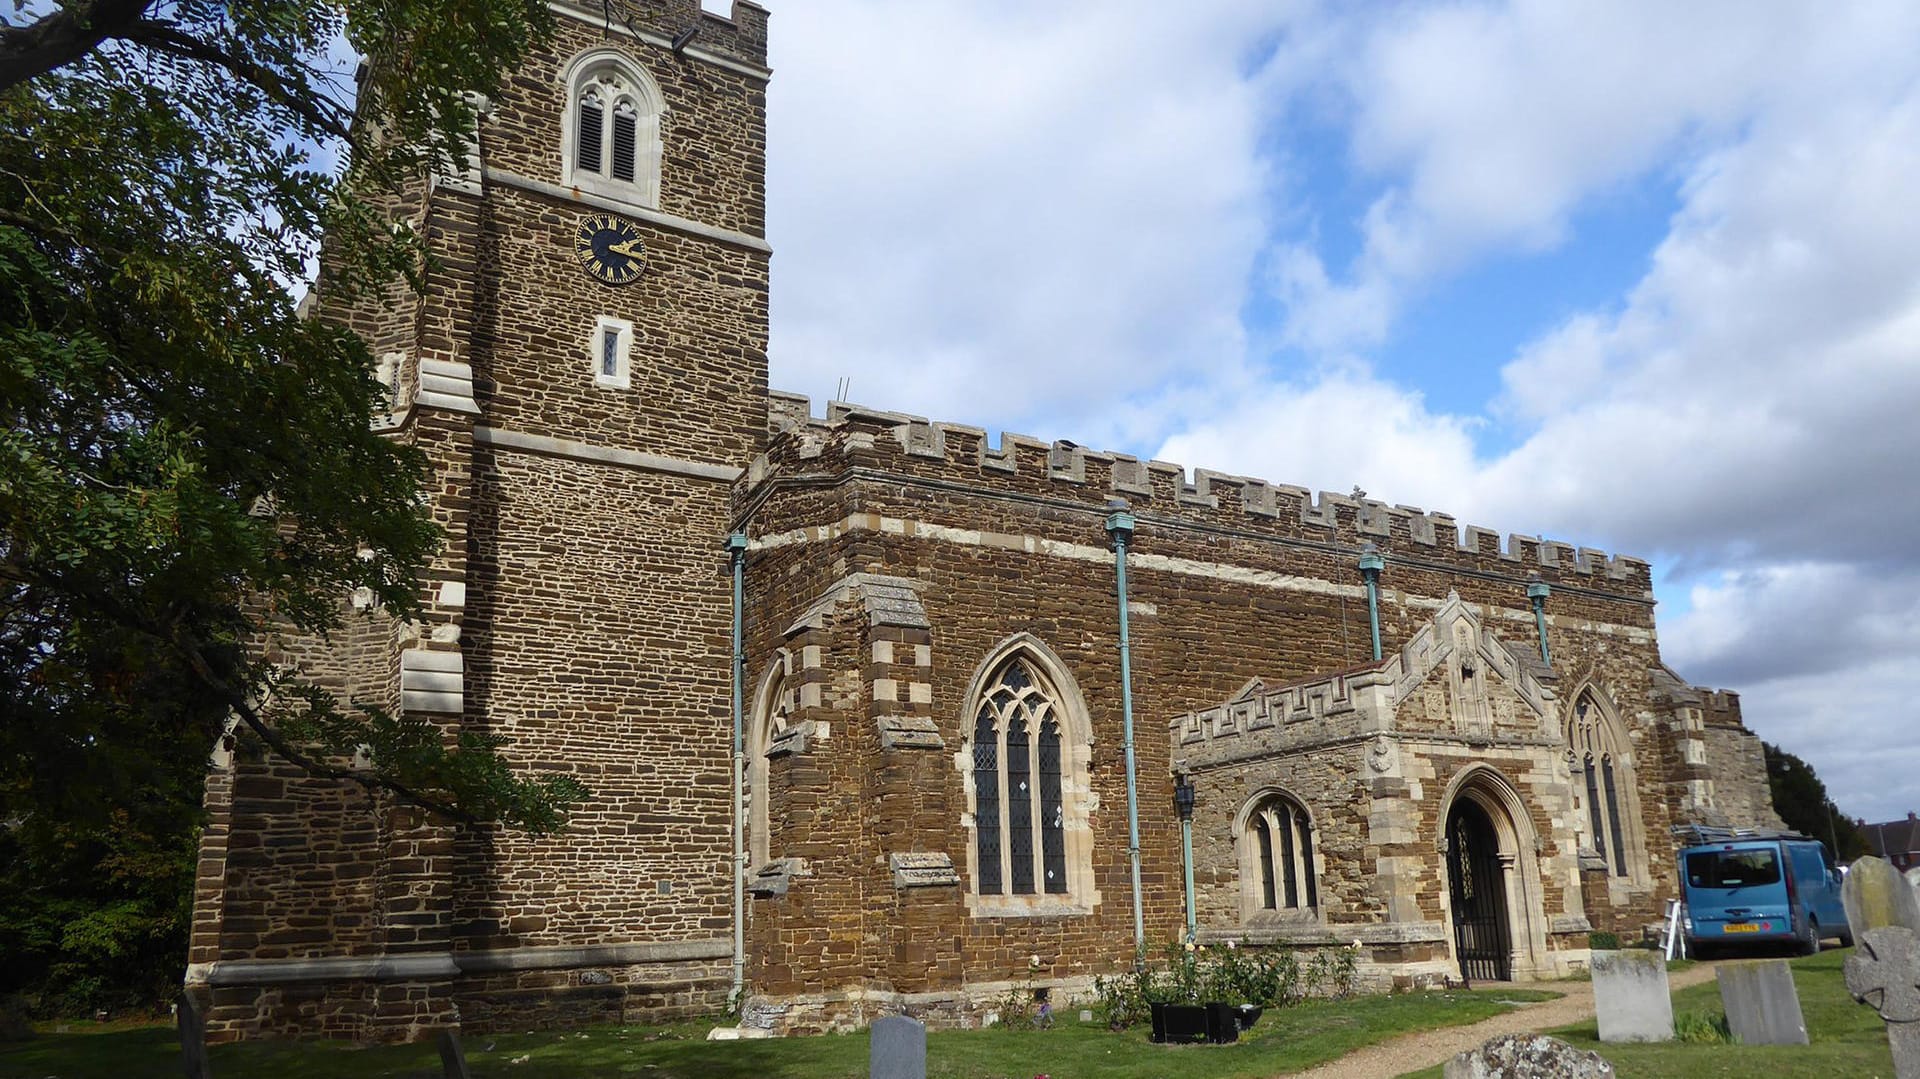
[1479, 891]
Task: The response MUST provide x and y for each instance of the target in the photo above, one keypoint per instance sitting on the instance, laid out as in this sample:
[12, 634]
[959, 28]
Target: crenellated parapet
[850, 434]
[1260, 720]
[740, 35]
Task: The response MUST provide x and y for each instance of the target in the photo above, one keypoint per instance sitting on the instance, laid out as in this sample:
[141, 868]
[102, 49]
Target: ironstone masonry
[935, 800]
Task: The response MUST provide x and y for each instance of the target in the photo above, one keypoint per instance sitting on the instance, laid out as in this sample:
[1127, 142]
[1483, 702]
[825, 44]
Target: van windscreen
[1732, 868]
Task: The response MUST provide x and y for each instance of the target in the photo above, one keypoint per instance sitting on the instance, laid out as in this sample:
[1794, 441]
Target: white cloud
[1493, 123]
[1010, 211]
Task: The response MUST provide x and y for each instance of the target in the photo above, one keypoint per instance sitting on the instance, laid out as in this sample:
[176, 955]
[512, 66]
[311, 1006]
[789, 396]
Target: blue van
[1746, 888]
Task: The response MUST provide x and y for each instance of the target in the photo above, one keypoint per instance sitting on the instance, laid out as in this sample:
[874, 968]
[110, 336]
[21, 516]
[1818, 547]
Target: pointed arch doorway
[1477, 886]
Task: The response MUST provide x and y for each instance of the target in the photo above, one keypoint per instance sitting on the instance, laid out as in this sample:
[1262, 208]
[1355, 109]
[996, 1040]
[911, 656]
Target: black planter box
[1216, 1024]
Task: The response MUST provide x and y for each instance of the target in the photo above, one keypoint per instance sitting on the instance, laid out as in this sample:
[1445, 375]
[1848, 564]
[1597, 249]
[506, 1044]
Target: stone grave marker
[453, 1060]
[193, 1039]
[1630, 996]
[1875, 894]
[897, 1048]
[1884, 972]
[1528, 1056]
[1913, 878]
[1761, 1002]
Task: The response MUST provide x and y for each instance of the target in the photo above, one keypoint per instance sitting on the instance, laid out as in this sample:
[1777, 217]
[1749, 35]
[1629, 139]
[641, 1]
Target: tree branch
[318, 769]
[169, 39]
[62, 37]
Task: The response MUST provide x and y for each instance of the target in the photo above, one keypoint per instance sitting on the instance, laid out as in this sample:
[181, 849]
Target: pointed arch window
[1277, 870]
[1026, 777]
[612, 135]
[1597, 754]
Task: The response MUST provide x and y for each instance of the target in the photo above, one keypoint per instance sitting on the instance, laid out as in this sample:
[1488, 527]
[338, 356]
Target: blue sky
[1639, 276]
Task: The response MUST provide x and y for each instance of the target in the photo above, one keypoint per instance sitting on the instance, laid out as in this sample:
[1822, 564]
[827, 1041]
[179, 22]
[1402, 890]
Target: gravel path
[1430, 1047]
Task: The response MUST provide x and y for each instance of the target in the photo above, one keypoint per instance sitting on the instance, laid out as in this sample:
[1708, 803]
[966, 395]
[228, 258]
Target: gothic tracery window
[1025, 769]
[1276, 858]
[1596, 753]
[613, 131]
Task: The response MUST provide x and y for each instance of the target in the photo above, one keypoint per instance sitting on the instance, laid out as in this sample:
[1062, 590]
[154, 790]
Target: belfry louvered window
[1277, 857]
[1019, 811]
[613, 135]
[1596, 753]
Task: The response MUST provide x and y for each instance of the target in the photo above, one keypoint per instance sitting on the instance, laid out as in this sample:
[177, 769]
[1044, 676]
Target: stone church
[977, 681]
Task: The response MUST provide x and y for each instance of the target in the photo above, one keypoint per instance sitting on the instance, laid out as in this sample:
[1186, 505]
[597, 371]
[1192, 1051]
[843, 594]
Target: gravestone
[1913, 878]
[1884, 972]
[1875, 894]
[193, 1039]
[1528, 1056]
[897, 1049]
[1630, 996]
[1762, 1004]
[453, 1060]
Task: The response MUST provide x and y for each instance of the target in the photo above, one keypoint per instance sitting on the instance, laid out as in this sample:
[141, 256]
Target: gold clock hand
[626, 248]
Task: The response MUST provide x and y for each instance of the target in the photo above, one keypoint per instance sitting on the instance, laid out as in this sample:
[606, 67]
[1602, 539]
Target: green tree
[1801, 800]
[184, 460]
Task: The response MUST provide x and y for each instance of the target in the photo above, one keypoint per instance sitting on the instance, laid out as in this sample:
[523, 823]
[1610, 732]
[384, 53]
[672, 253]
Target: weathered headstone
[1913, 878]
[897, 1049]
[1528, 1056]
[1884, 972]
[453, 1060]
[193, 1039]
[1630, 997]
[1762, 1004]
[1875, 894]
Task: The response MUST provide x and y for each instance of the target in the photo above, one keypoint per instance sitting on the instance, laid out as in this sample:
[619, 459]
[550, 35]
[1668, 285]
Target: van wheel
[1809, 942]
[1846, 937]
[1702, 951]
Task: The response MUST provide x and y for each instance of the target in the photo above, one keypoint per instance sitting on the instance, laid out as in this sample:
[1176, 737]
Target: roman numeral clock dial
[609, 248]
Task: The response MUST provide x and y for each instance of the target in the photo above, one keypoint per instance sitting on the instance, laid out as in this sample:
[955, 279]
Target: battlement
[1165, 486]
[740, 35]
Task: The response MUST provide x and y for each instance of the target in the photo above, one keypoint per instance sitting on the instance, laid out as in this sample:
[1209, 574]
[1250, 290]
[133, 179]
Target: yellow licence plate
[1742, 927]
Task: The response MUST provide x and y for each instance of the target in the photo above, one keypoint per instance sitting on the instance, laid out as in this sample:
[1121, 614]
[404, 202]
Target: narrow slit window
[1613, 819]
[1019, 807]
[609, 353]
[986, 787]
[1593, 809]
[1306, 861]
[1053, 838]
[1267, 899]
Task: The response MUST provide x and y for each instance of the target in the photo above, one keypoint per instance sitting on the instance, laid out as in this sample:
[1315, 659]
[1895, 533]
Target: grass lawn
[1282, 1041]
[1848, 1038]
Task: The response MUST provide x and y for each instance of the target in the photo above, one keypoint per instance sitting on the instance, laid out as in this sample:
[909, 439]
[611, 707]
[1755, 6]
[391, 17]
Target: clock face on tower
[608, 247]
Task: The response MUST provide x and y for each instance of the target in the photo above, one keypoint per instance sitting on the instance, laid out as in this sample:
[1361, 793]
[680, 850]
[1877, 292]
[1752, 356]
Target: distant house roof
[1898, 841]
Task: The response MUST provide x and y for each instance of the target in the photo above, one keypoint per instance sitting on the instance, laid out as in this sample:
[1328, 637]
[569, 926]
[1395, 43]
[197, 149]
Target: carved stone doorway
[1476, 877]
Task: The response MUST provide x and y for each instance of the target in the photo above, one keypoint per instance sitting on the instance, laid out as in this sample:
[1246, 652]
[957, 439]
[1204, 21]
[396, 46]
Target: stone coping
[444, 965]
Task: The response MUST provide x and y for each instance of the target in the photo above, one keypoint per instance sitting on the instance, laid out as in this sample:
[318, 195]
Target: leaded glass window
[1597, 749]
[1277, 859]
[1018, 787]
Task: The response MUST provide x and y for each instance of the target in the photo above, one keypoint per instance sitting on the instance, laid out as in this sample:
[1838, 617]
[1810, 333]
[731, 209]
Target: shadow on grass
[1283, 1041]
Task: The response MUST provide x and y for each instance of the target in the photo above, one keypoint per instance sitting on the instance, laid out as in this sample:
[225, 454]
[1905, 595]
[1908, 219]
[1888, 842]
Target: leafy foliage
[1225, 974]
[184, 460]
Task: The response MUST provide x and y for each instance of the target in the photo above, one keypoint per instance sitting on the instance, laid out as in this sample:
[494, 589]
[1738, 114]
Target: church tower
[586, 371]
